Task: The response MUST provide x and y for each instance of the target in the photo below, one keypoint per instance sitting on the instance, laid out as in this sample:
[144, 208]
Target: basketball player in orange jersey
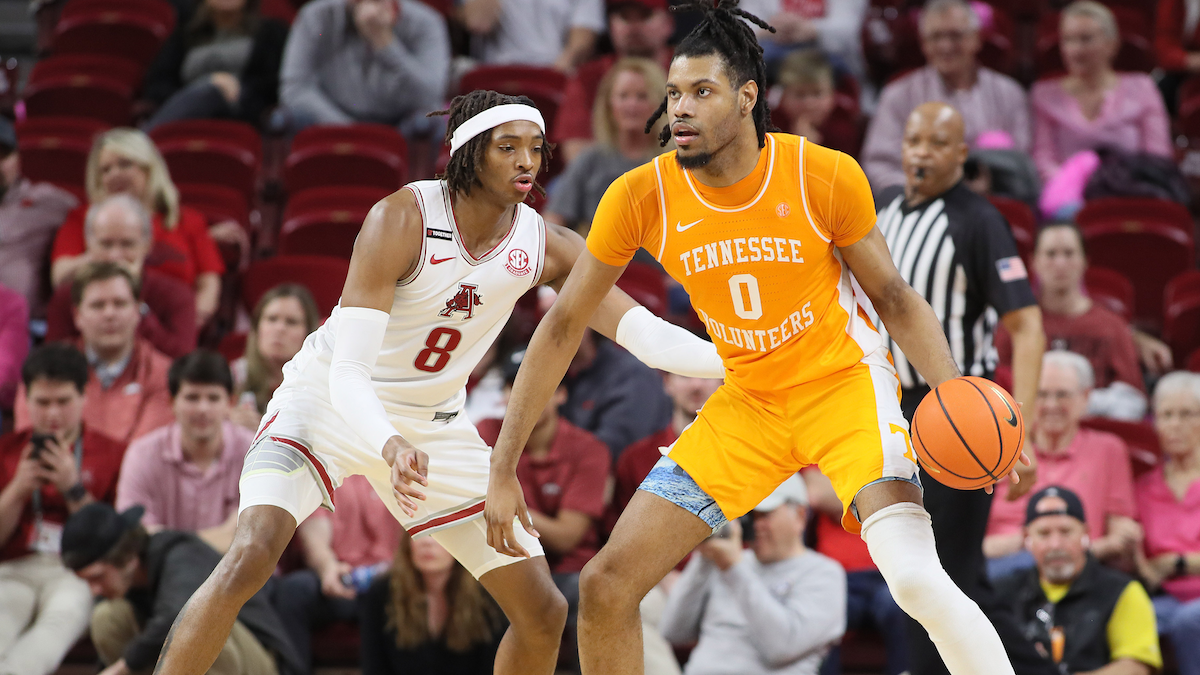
[763, 230]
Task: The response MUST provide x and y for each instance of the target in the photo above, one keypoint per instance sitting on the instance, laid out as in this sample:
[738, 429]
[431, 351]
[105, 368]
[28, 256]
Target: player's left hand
[1021, 480]
[409, 466]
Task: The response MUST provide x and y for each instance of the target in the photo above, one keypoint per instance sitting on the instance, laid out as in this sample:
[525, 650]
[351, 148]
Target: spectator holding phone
[47, 472]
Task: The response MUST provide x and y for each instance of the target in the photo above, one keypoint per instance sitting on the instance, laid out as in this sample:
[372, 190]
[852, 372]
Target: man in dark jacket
[1081, 615]
[146, 580]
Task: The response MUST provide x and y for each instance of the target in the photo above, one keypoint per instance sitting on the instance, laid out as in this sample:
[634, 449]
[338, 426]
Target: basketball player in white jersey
[379, 389]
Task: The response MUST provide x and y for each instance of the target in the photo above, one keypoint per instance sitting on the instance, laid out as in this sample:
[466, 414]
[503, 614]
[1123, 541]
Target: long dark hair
[723, 32]
[462, 173]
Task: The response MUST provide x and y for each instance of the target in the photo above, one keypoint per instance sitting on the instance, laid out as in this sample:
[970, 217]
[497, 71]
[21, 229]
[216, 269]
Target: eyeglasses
[1186, 415]
[955, 36]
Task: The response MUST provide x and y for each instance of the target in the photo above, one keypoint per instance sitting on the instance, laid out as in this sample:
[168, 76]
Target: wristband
[76, 492]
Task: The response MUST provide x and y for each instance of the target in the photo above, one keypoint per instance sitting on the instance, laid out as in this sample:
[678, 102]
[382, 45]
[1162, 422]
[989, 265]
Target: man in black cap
[1083, 616]
[30, 214]
[145, 581]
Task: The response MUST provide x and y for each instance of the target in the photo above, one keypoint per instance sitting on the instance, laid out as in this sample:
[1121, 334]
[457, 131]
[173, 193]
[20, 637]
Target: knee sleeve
[900, 540]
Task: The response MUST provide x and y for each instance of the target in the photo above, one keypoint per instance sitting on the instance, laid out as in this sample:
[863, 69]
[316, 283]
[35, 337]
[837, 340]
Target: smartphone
[39, 444]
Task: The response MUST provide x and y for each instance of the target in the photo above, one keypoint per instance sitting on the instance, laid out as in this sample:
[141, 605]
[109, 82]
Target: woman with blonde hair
[627, 96]
[428, 616]
[125, 161]
[283, 317]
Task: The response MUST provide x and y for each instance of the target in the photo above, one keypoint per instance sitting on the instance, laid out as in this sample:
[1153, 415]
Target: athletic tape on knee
[900, 540]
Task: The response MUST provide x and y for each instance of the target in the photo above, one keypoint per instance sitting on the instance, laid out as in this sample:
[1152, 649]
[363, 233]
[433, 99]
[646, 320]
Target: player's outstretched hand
[506, 503]
[409, 466]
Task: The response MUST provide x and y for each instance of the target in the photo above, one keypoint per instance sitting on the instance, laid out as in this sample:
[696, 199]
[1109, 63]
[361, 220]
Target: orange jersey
[759, 258]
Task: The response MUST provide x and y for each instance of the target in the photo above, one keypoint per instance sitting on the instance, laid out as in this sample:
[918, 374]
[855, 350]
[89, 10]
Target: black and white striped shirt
[957, 251]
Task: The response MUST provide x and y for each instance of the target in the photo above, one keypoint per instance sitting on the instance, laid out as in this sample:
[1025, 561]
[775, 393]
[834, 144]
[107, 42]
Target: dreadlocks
[463, 170]
[723, 32]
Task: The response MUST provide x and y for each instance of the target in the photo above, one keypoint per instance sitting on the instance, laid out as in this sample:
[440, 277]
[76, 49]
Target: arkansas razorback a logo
[465, 300]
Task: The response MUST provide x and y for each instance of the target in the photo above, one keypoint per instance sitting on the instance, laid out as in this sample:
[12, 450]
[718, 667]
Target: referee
[955, 249]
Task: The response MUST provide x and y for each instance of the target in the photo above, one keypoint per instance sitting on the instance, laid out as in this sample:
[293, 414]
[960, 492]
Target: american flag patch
[1011, 269]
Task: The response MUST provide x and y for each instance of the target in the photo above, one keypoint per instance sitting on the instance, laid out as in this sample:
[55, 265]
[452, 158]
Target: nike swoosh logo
[685, 228]
[1012, 414]
[434, 261]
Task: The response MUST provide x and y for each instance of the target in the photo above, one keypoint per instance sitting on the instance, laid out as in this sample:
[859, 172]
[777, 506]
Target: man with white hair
[1092, 463]
[118, 230]
[988, 100]
[775, 608]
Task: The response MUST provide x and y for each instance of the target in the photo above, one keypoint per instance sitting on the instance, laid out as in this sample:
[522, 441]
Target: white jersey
[444, 316]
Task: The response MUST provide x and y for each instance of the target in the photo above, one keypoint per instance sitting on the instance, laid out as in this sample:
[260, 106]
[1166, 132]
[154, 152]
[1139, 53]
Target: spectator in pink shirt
[1093, 464]
[14, 343]
[344, 551]
[186, 474]
[1168, 499]
[1093, 105]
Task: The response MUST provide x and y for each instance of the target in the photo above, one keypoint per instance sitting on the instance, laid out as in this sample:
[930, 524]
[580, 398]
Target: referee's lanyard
[47, 537]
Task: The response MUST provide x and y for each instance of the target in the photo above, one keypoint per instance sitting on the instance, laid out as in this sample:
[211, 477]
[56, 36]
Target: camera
[39, 444]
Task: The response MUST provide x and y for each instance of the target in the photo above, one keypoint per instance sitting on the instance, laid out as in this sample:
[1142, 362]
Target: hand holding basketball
[968, 433]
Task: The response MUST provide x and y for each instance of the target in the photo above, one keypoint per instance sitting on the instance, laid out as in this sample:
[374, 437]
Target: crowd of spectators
[125, 433]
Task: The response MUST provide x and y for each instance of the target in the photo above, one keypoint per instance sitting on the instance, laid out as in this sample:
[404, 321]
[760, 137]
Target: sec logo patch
[782, 209]
[518, 263]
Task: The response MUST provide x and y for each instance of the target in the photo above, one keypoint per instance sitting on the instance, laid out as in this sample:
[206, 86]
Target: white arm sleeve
[668, 347]
[359, 337]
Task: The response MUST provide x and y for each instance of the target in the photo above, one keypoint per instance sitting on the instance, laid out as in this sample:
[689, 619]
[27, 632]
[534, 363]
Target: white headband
[492, 118]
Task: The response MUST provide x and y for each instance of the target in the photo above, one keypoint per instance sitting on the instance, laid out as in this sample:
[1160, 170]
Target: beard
[696, 161]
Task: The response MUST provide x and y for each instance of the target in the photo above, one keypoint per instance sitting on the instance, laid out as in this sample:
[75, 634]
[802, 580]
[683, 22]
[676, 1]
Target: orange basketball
[968, 433]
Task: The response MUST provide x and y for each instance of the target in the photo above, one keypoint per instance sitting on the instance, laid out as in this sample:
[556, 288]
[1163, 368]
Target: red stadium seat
[122, 70]
[1127, 246]
[1144, 450]
[1111, 289]
[216, 202]
[324, 277]
[155, 10]
[513, 80]
[225, 131]
[344, 163]
[78, 128]
[645, 284]
[1181, 314]
[1130, 211]
[212, 161]
[329, 233]
[334, 197]
[380, 135]
[891, 41]
[61, 160]
[96, 97]
[281, 10]
[115, 32]
[232, 346]
[1193, 362]
[1022, 222]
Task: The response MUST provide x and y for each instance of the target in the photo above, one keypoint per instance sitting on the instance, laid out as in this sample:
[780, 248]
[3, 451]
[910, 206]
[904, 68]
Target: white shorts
[303, 450]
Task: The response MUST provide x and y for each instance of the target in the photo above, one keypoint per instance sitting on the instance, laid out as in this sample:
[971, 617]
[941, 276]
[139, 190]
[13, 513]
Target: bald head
[933, 151]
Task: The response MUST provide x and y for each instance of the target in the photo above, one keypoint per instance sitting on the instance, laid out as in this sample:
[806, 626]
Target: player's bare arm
[387, 249]
[909, 319]
[563, 247]
[550, 351]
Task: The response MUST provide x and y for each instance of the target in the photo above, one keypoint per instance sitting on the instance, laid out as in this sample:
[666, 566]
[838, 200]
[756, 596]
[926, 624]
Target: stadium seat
[1144, 450]
[129, 73]
[344, 163]
[1022, 222]
[115, 32]
[100, 98]
[513, 80]
[233, 346]
[216, 202]
[1129, 211]
[1112, 290]
[380, 135]
[79, 128]
[316, 232]
[1181, 314]
[225, 131]
[891, 42]
[1128, 246]
[61, 160]
[333, 197]
[1193, 362]
[281, 10]
[324, 277]
[212, 161]
[158, 11]
[645, 284]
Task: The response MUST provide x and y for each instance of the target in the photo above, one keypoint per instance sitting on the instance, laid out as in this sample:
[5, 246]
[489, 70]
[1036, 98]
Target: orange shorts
[742, 445]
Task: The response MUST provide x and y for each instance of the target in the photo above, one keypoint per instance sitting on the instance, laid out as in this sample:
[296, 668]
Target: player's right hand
[409, 466]
[506, 503]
